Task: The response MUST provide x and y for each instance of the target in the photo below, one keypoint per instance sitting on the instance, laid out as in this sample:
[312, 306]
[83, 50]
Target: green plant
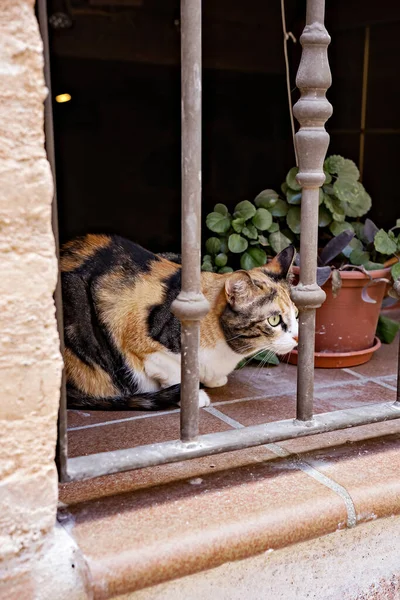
[266, 226]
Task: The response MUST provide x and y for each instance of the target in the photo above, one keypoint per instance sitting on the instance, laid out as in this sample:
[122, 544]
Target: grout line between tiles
[116, 421]
[383, 384]
[334, 486]
[378, 380]
[354, 373]
[358, 380]
[300, 464]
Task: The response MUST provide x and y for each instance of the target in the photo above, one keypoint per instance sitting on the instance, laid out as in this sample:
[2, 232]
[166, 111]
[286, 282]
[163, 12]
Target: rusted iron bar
[190, 306]
[312, 111]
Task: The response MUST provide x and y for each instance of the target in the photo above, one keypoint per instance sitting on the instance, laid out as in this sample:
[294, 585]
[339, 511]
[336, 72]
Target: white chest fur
[216, 363]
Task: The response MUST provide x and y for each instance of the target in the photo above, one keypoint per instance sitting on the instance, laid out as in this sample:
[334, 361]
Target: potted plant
[353, 258]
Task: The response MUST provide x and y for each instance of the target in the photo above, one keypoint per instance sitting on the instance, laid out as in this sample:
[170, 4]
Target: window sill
[141, 528]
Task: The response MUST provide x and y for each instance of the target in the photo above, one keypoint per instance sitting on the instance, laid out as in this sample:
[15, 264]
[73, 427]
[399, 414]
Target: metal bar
[398, 374]
[190, 306]
[105, 463]
[62, 439]
[364, 101]
[312, 111]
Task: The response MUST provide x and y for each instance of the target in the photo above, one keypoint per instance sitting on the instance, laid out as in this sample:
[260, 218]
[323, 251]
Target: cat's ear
[239, 288]
[282, 262]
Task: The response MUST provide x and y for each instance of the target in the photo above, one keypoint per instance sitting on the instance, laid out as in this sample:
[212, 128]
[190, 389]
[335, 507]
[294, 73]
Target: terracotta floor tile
[369, 470]
[253, 412]
[135, 433]
[79, 418]
[251, 382]
[383, 362]
[173, 530]
[248, 382]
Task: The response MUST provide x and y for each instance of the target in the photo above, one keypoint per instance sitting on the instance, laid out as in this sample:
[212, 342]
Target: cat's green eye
[296, 312]
[274, 320]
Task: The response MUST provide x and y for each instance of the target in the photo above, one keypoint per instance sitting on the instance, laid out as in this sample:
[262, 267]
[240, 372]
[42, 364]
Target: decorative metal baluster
[191, 305]
[312, 111]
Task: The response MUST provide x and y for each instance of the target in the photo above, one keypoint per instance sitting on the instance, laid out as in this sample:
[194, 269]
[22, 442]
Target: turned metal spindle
[312, 111]
[191, 305]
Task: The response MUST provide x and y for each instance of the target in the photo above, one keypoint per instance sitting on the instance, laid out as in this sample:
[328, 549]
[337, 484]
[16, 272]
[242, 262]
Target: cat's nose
[296, 338]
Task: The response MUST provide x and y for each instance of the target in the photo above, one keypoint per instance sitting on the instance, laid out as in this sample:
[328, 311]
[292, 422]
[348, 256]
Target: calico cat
[122, 342]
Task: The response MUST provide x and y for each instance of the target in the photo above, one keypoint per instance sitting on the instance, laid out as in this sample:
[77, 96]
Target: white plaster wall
[30, 361]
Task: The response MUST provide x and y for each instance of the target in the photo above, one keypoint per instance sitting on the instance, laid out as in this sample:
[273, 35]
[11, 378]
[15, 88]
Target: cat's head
[259, 313]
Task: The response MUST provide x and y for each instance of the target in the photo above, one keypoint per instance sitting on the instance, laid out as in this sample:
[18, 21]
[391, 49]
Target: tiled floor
[181, 518]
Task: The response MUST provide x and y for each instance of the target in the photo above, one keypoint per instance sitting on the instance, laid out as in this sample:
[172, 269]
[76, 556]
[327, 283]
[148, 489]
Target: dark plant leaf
[370, 230]
[387, 329]
[267, 357]
[323, 274]
[335, 246]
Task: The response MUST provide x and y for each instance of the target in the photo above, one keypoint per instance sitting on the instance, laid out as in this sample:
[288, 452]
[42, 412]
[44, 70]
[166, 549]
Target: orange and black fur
[122, 342]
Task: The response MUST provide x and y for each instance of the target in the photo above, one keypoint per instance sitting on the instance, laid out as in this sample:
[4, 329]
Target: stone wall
[30, 361]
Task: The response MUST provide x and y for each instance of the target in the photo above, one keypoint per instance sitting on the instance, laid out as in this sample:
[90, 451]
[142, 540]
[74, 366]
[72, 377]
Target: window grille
[312, 111]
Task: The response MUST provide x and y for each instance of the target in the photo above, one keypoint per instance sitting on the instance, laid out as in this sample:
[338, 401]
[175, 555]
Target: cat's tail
[159, 400]
[142, 401]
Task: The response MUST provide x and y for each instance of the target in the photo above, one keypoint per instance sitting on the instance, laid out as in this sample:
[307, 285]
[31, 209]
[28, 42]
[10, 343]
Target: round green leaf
[225, 270]
[335, 207]
[328, 177]
[221, 209]
[237, 243]
[324, 216]
[266, 199]
[359, 257]
[221, 260]
[250, 232]
[263, 240]
[274, 227]
[355, 244]
[293, 218]
[291, 179]
[321, 195]
[279, 241]
[262, 219]
[213, 245]
[238, 224]
[217, 222]
[395, 271]
[207, 266]
[293, 197]
[279, 209]
[348, 171]
[373, 266]
[354, 199]
[337, 228]
[254, 257]
[359, 229]
[244, 210]
[383, 243]
[333, 164]
[284, 188]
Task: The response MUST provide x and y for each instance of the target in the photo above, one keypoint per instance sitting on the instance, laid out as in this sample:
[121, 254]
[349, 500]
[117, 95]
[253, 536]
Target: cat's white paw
[216, 382]
[204, 400]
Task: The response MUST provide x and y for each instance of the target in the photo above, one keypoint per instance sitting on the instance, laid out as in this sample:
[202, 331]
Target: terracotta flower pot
[346, 324]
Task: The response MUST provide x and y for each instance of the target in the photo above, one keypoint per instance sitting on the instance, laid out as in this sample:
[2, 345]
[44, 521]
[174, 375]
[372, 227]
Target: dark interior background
[118, 139]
